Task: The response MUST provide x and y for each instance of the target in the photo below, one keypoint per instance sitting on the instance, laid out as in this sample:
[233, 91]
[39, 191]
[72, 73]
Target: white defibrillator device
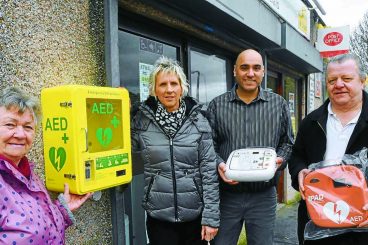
[251, 164]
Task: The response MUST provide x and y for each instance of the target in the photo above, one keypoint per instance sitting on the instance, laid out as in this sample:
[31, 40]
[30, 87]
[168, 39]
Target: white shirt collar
[331, 113]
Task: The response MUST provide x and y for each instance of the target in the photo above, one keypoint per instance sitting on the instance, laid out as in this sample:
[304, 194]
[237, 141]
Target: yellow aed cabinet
[86, 133]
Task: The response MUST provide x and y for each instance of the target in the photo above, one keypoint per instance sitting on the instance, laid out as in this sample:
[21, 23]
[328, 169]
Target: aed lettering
[102, 108]
[356, 219]
[56, 124]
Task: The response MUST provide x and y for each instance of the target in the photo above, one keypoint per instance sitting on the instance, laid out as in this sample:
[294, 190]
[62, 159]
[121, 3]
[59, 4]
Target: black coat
[310, 147]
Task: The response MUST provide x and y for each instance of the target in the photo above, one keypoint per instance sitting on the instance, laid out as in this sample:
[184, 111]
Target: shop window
[274, 82]
[208, 77]
[291, 96]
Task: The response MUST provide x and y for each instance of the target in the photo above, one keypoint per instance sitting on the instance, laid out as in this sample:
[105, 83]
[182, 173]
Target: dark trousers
[169, 233]
[255, 210]
[351, 238]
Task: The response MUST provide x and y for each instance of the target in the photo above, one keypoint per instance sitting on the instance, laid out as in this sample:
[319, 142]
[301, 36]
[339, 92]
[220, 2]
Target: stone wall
[48, 43]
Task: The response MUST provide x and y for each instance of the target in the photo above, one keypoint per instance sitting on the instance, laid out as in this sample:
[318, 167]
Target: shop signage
[333, 41]
[295, 13]
[151, 46]
[333, 38]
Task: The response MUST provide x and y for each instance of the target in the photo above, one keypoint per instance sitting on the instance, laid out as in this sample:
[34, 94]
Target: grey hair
[13, 97]
[167, 65]
[350, 56]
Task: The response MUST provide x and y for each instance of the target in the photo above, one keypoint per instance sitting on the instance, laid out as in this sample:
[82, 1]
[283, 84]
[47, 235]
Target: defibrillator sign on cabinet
[86, 132]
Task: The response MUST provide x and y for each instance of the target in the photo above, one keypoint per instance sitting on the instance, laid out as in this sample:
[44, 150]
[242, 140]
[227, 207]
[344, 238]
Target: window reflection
[136, 57]
[207, 76]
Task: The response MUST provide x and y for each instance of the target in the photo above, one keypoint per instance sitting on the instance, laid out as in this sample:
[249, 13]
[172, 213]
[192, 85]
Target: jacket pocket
[149, 188]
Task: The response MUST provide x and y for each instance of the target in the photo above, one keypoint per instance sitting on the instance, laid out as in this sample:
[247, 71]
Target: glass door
[137, 54]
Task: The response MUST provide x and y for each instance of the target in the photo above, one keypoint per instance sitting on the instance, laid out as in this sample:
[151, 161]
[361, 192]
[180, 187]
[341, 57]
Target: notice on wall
[318, 85]
[144, 73]
[311, 93]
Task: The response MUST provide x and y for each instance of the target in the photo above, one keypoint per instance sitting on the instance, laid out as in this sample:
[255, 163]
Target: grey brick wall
[46, 43]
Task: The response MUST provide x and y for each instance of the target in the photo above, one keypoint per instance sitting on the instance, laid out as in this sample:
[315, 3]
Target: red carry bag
[335, 196]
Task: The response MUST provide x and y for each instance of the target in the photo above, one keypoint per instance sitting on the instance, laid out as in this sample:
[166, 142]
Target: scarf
[170, 121]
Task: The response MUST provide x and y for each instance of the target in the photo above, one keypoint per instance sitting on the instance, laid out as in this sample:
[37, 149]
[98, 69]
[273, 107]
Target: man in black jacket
[338, 127]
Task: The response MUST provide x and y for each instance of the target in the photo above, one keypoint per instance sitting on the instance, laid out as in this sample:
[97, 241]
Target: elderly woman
[173, 140]
[27, 214]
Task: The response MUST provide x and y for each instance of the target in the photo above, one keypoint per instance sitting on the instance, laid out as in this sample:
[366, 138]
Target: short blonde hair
[13, 97]
[167, 65]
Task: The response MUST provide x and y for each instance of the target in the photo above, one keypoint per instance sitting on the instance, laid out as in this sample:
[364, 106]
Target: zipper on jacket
[172, 161]
[174, 179]
[322, 128]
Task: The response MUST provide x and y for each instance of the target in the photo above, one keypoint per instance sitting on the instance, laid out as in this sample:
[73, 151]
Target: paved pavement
[286, 225]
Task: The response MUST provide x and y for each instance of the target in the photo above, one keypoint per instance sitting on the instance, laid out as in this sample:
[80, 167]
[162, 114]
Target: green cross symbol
[65, 138]
[115, 122]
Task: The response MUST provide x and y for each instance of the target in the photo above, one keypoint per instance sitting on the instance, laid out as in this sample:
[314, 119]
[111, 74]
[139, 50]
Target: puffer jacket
[181, 181]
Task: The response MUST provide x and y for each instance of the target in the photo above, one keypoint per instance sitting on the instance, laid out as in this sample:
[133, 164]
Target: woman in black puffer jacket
[172, 138]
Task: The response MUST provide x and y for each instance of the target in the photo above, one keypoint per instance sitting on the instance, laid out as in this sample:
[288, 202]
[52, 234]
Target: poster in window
[317, 86]
[144, 73]
[291, 103]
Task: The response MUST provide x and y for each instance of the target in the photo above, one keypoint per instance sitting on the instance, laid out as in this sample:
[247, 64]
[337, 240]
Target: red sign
[333, 41]
[333, 38]
[327, 54]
